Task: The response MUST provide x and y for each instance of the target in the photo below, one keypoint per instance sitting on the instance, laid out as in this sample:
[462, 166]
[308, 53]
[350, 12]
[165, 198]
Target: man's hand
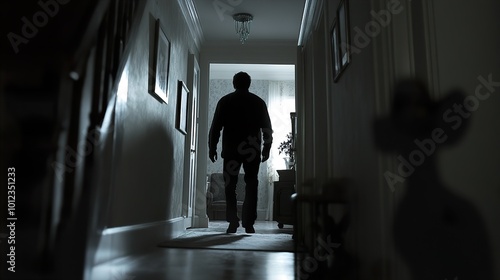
[212, 155]
[265, 155]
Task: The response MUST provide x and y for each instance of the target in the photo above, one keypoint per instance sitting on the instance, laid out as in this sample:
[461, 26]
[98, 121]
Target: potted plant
[286, 147]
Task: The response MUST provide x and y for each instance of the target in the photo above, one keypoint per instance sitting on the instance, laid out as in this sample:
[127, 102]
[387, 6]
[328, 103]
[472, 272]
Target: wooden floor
[202, 264]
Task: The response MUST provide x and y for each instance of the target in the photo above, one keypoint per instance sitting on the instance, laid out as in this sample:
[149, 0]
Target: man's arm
[214, 134]
[267, 134]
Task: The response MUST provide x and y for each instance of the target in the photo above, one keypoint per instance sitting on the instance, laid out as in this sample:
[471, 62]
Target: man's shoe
[249, 229]
[232, 227]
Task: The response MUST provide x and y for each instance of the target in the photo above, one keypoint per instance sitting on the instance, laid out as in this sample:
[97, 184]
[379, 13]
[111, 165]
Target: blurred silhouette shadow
[439, 234]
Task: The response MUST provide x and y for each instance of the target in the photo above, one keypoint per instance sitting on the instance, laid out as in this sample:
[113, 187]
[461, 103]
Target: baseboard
[129, 240]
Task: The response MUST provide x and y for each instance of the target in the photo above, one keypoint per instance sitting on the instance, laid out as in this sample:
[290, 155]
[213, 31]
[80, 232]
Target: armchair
[216, 196]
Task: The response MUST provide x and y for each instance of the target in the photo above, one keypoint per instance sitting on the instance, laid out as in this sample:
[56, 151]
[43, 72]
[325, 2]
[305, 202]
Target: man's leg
[251, 191]
[231, 171]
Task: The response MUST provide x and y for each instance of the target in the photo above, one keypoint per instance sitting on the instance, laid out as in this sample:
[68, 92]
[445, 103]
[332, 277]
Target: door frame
[191, 144]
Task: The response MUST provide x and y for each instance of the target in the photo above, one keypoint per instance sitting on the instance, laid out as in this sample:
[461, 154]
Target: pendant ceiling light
[242, 25]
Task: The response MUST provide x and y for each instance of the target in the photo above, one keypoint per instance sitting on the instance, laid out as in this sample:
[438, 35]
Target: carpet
[217, 239]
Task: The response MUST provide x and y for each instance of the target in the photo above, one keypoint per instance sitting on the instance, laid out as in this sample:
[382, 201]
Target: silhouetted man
[245, 120]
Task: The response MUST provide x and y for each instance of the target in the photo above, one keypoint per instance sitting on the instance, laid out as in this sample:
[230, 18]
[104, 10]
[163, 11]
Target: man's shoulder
[256, 97]
[240, 96]
[226, 97]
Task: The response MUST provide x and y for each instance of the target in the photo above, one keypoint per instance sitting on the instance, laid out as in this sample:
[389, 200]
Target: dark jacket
[245, 120]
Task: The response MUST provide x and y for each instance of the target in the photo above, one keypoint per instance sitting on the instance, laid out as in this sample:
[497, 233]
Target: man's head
[241, 80]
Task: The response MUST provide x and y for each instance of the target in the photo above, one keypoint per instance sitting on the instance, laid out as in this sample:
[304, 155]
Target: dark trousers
[232, 167]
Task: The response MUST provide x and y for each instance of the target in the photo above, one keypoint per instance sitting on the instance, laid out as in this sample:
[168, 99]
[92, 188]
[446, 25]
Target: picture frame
[344, 40]
[182, 107]
[159, 72]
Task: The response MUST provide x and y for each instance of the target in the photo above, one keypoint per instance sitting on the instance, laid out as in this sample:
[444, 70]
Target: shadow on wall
[145, 175]
[439, 234]
[115, 202]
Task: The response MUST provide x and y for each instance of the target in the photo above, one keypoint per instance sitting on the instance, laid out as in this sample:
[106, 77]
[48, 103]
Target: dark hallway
[104, 121]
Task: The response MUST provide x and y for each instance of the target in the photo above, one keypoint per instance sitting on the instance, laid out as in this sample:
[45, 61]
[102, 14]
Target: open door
[191, 142]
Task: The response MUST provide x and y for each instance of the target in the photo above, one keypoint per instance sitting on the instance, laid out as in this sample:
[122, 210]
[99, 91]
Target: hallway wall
[148, 173]
[449, 44]
[336, 124]
[147, 191]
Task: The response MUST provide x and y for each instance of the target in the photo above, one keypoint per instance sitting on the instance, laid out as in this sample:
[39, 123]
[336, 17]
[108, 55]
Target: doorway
[275, 84]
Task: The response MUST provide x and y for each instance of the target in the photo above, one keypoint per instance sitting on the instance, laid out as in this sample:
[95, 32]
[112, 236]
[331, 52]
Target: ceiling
[274, 20]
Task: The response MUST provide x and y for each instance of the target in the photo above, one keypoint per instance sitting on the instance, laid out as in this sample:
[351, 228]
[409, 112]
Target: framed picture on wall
[182, 107]
[158, 84]
[343, 38]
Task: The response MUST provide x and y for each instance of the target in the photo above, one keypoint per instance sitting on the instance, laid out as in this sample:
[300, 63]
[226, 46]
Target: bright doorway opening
[275, 84]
